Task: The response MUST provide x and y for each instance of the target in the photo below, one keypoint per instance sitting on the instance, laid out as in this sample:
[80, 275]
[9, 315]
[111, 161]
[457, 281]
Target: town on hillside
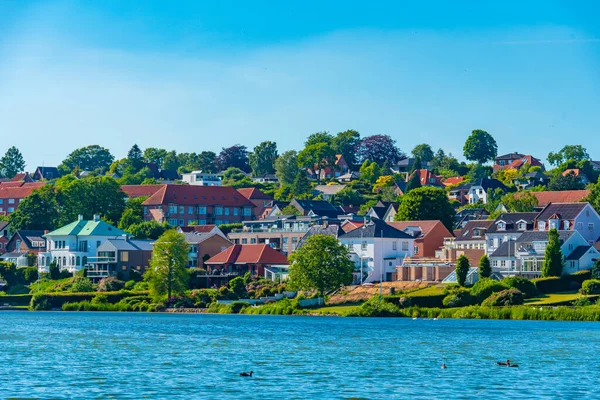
[400, 216]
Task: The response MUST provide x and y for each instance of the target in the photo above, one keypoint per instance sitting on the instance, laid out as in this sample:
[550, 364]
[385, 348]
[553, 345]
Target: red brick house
[427, 178]
[135, 191]
[12, 193]
[180, 205]
[429, 235]
[258, 198]
[22, 177]
[516, 161]
[27, 241]
[241, 258]
[341, 168]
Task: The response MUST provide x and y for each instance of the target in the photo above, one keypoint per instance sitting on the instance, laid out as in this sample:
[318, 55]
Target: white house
[377, 249]
[73, 245]
[478, 192]
[508, 226]
[202, 178]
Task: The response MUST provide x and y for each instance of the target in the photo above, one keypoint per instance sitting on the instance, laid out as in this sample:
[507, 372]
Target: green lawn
[427, 291]
[336, 309]
[552, 298]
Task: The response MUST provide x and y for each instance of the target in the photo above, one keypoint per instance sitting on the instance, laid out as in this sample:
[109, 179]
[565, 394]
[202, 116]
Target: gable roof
[249, 254]
[375, 229]
[488, 183]
[199, 237]
[467, 232]
[44, 171]
[455, 180]
[319, 207]
[578, 252]
[541, 236]
[426, 227]
[254, 194]
[511, 220]
[197, 228]
[87, 228]
[196, 195]
[509, 156]
[563, 210]
[128, 244]
[20, 191]
[27, 236]
[3, 225]
[133, 191]
[329, 230]
[329, 189]
[507, 248]
[426, 177]
[564, 196]
[379, 212]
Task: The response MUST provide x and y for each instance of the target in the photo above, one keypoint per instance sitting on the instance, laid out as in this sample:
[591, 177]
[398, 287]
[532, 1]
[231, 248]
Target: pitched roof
[195, 195]
[87, 228]
[511, 220]
[48, 170]
[329, 189]
[379, 211]
[563, 210]
[197, 228]
[506, 249]
[487, 183]
[375, 229]
[426, 227]
[21, 177]
[578, 252]
[3, 225]
[427, 177]
[564, 196]
[199, 237]
[483, 225]
[254, 193]
[128, 244]
[329, 230]
[27, 236]
[540, 236]
[319, 207]
[8, 191]
[249, 254]
[574, 171]
[509, 156]
[453, 181]
[133, 191]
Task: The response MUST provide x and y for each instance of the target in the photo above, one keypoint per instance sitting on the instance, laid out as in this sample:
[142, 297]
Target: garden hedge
[16, 299]
[56, 300]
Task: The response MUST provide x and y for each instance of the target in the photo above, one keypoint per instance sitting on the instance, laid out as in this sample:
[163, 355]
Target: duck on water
[248, 374]
[507, 364]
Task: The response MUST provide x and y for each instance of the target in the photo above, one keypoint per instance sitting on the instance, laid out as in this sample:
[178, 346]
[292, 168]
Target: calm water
[125, 355]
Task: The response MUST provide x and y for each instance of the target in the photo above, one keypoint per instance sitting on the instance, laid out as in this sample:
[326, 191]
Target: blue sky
[201, 75]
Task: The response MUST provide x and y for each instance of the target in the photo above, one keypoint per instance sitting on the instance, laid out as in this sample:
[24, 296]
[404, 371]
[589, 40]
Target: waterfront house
[204, 245]
[25, 244]
[201, 178]
[72, 245]
[508, 226]
[581, 217]
[181, 205]
[376, 249]
[121, 257]
[238, 259]
[260, 200]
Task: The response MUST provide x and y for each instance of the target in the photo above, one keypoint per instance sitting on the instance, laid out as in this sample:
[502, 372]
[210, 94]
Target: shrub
[238, 286]
[179, 302]
[376, 308]
[18, 289]
[129, 285]
[224, 293]
[30, 275]
[591, 286]
[459, 298]
[81, 285]
[580, 276]
[551, 284]
[526, 286]
[16, 300]
[56, 300]
[110, 284]
[508, 297]
[238, 306]
[581, 301]
[140, 286]
[483, 288]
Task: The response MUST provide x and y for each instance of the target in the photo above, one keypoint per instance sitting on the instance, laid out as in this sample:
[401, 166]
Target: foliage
[569, 152]
[226, 228]
[111, 284]
[348, 196]
[167, 274]
[485, 267]
[483, 288]
[414, 182]
[11, 163]
[458, 298]
[594, 197]
[379, 149]
[290, 210]
[317, 156]
[523, 202]
[370, 172]
[426, 203]
[565, 182]
[507, 297]
[591, 286]
[130, 217]
[318, 137]
[524, 285]
[309, 270]
[480, 147]
[382, 182]
[423, 152]
[81, 284]
[286, 167]
[238, 286]
[346, 144]
[235, 156]
[462, 269]
[38, 211]
[595, 273]
[147, 230]
[301, 185]
[90, 158]
[553, 261]
[507, 176]
[262, 158]
[154, 155]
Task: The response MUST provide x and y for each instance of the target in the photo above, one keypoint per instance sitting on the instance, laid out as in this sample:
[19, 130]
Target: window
[253, 241]
[172, 209]
[218, 210]
[572, 264]
[503, 263]
[244, 241]
[202, 210]
[190, 210]
[201, 222]
[587, 213]
[580, 226]
[172, 221]
[226, 209]
[554, 224]
[218, 222]
[591, 227]
[11, 201]
[566, 225]
[181, 222]
[235, 211]
[495, 263]
[78, 261]
[501, 226]
[83, 246]
[394, 245]
[124, 256]
[193, 249]
[18, 244]
[363, 245]
[11, 209]
[541, 226]
[247, 212]
[181, 210]
[522, 226]
[416, 249]
[404, 246]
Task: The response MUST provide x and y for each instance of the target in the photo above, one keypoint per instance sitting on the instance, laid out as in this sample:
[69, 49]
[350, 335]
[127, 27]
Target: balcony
[97, 273]
[101, 260]
[271, 230]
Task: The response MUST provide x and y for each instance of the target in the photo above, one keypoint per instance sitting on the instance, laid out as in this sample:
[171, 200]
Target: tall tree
[379, 149]
[553, 260]
[171, 161]
[262, 158]
[207, 161]
[370, 172]
[168, 274]
[135, 158]
[286, 167]
[346, 143]
[426, 203]
[90, 158]
[317, 156]
[423, 151]
[565, 182]
[480, 147]
[318, 137]
[235, 156]
[521, 202]
[301, 184]
[38, 211]
[570, 152]
[414, 181]
[594, 197]
[154, 155]
[462, 269]
[485, 268]
[12, 163]
[309, 270]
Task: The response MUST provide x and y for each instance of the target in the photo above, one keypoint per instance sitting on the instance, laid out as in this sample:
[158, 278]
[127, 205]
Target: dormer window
[566, 225]
[522, 226]
[541, 226]
[554, 224]
[501, 226]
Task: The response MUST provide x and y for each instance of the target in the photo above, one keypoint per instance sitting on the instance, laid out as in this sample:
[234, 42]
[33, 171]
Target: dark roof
[375, 229]
[511, 220]
[329, 230]
[471, 226]
[510, 156]
[503, 249]
[540, 236]
[536, 175]
[127, 244]
[28, 235]
[48, 171]
[563, 210]
[3, 225]
[578, 252]
[487, 183]
[379, 211]
[316, 206]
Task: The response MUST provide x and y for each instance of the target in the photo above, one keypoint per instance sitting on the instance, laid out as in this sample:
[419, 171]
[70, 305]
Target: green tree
[309, 270]
[349, 196]
[286, 167]
[462, 269]
[480, 147]
[301, 185]
[129, 217]
[414, 182]
[290, 210]
[317, 156]
[571, 152]
[135, 158]
[90, 158]
[485, 267]
[594, 197]
[207, 161]
[168, 274]
[370, 172]
[154, 155]
[521, 202]
[596, 270]
[423, 152]
[238, 286]
[147, 230]
[319, 137]
[561, 182]
[553, 261]
[171, 161]
[262, 159]
[426, 203]
[12, 163]
[38, 211]
[346, 143]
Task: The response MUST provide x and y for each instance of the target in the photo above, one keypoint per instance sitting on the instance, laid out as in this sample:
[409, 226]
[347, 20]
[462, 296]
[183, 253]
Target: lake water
[131, 355]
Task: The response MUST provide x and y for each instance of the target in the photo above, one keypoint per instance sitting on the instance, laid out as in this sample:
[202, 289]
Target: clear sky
[201, 75]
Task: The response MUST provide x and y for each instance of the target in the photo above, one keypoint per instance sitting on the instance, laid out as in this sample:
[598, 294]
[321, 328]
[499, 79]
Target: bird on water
[249, 374]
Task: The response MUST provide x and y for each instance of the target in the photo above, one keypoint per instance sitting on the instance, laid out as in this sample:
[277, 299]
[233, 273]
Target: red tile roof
[195, 195]
[22, 184]
[133, 191]
[249, 254]
[254, 194]
[574, 171]
[453, 181]
[18, 192]
[426, 177]
[197, 228]
[425, 226]
[565, 196]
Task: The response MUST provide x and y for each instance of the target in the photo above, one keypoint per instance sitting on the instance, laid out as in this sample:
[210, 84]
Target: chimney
[46, 231]
[80, 217]
[96, 217]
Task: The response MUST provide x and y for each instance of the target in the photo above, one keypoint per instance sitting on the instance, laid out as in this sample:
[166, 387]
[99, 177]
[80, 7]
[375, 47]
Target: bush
[224, 293]
[16, 300]
[526, 286]
[30, 275]
[580, 276]
[81, 285]
[591, 286]
[56, 300]
[140, 286]
[202, 298]
[483, 288]
[551, 284]
[129, 285]
[508, 297]
[179, 302]
[458, 298]
[18, 289]
[238, 286]
[110, 284]
[376, 308]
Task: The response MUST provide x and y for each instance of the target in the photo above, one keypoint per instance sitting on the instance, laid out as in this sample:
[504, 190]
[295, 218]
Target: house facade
[4, 235]
[201, 178]
[516, 161]
[429, 236]
[238, 259]
[580, 217]
[260, 200]
[121, 257]
[181, 205]
[204, 245]
[23, 247]
[12, 193]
